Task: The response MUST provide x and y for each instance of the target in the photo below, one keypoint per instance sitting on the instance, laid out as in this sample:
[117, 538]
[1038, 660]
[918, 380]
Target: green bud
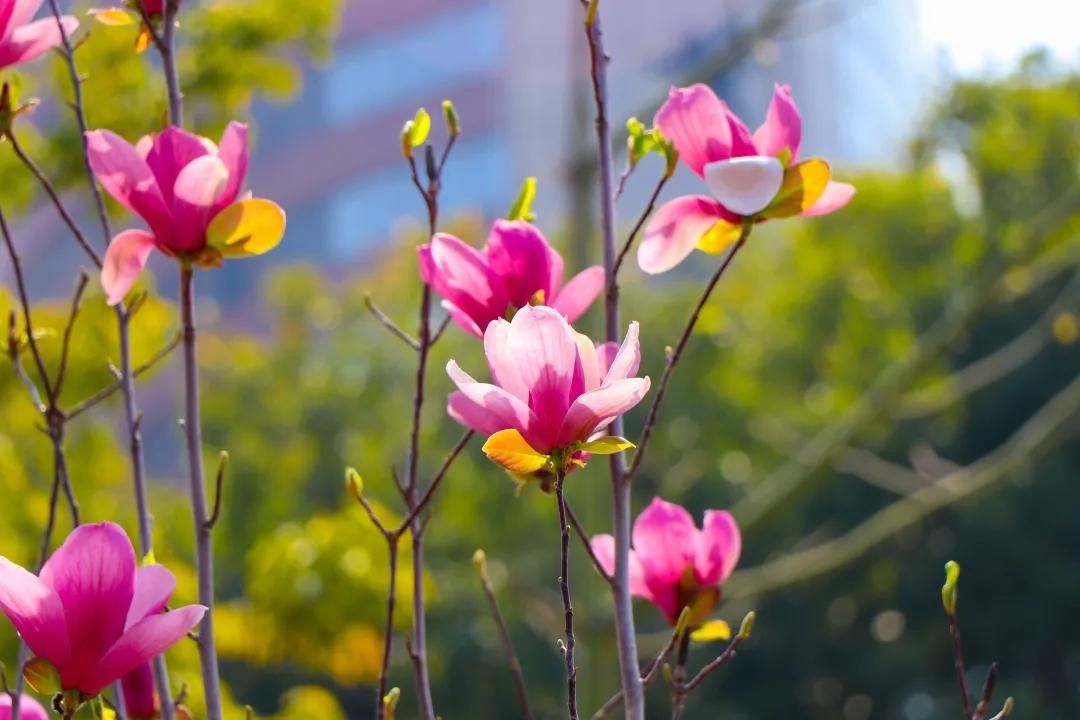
[522, 207]
[390, 701]
[406, 139]
[948, 590]
[453, 123]
[682, 622]
[354, 483]
[747, 626]
[669, 677]
[590, 13]
[1006, 709]
[479, 560]
[420, 129]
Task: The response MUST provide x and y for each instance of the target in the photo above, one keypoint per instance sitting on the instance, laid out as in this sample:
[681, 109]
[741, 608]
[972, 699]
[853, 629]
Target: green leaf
[42, 676]
[522, 207]
[608, 445]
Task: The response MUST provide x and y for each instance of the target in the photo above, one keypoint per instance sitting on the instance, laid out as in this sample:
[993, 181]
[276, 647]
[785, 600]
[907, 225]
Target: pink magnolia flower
[23, 39]
[29, 708]
[752, 177]
[517, 268]
[675, 565]
[90, 613]
[187, 190]
[140, 700]
[548, 395]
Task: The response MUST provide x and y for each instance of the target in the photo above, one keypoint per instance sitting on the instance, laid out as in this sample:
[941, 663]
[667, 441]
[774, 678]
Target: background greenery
[971, 247]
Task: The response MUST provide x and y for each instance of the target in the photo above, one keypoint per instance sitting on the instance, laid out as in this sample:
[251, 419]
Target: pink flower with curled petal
[552, 391]
[23, 39]
[90, 613]
[29, 708]
[187, 190]
[517, 268]
[752, 177]
[673, 564]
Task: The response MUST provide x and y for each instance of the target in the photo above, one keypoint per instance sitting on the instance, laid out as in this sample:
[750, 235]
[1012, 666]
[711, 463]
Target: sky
[992, 34]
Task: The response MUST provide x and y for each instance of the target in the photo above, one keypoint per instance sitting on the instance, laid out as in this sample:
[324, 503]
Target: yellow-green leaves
[802, 187]
[948, 590]
[40, 674]
[522, 207]
[508, 449]
[247, 227]
[641, 141]
[113, 17]
[712, 631]
[608, 445]
[415, 132]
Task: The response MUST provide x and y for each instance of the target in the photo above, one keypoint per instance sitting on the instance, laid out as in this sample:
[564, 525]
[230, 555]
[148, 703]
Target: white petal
[745, 185]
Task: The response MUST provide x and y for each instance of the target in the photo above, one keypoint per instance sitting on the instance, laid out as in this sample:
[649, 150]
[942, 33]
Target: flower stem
[568, 607]
[204, 559]
[391, 601]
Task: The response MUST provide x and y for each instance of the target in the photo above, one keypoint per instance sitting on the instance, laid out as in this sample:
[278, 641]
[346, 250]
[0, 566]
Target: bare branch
[479, 561]
[389, 324]
[107, 392]
[584, 537]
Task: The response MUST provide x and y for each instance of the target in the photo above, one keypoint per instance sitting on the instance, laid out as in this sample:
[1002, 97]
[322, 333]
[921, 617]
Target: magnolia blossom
[187, 190]
[29, 708]
[90, 613]
[548, 394]
[673, 564]
[751, 176]
[23, 39]
[517, 268]
[140, 700]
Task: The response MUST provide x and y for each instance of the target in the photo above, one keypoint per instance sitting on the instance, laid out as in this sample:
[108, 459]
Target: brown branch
[651, 671]
[567, 646]
[424, 501]
[583, 536]
[65, 347]
[480, 562]
[389, 324]
[24, 301]
[107, 392]
[223, 464]
[725, 657]
[638, 225]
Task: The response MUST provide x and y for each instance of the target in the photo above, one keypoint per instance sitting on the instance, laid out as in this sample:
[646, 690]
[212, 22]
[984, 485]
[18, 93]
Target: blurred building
[516, 68]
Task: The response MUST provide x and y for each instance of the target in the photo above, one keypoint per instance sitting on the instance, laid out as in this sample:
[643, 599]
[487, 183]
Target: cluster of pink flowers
[23, 39]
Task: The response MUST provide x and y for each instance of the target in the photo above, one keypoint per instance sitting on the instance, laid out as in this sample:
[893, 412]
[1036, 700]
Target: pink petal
[93, 573]
[665, 539]
[462, 319]
[461, 274]
[627, 360]
[745, 185]
[543, 345]
[587, 368]
[501, 362]
[555, 283]
[197, 190]
[718, 547]
[597, 408]
[36, 612]
[23, 11]
[143, 642]
[782, 127]
[140, 702]
[605, 356]
[125, 175]
[29, 708]
[578, 294]
[836, 196]
[29, 42]
[675, 229]
[695, 120]
[170, 151]
[124, 261]
[488, 408]
[603, 547]
[742, 142]
[233, 151]
[153, 586]
[520, 255]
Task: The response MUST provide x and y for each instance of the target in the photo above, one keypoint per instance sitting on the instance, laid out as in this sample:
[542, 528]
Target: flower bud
[453, 123]
[747, 626]
[948, 590]
[354, 483]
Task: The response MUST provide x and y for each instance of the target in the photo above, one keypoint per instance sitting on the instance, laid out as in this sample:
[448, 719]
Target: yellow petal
[712, 630]
[719, 238]
[247, 227]
[508, 449]
[802, 187]
[114, 17]
[142, 41]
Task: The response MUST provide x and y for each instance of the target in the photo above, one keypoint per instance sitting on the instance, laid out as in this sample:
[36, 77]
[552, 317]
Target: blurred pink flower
[140, 700]
[187, 190]
[552, 388]
[675, 565]
[751, 177]
[517, 268]
[23, 39]
[29, 708]
[90, 613]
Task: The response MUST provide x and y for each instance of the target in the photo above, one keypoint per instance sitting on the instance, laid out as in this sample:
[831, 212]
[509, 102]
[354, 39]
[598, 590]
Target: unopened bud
[453, 123]
[1007, 708]
[747, 626]
[948, 590]
[406, 139]
[354, 483]
[390, 701]
[682, 622]
[669, 677]
[479, 560]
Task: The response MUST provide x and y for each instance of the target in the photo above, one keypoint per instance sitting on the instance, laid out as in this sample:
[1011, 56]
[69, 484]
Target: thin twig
[504, 636]
[107, 392]
[568, 608]
[425, 500]
[223, 464]
[987, 693]
[24, 301]
[389, 324]
[958, 664]
[637, 226]
[583, 536]
[65, 346]
[391, 601]
[676, 353]
[725, 657]
[648, 675]
[440, 330]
